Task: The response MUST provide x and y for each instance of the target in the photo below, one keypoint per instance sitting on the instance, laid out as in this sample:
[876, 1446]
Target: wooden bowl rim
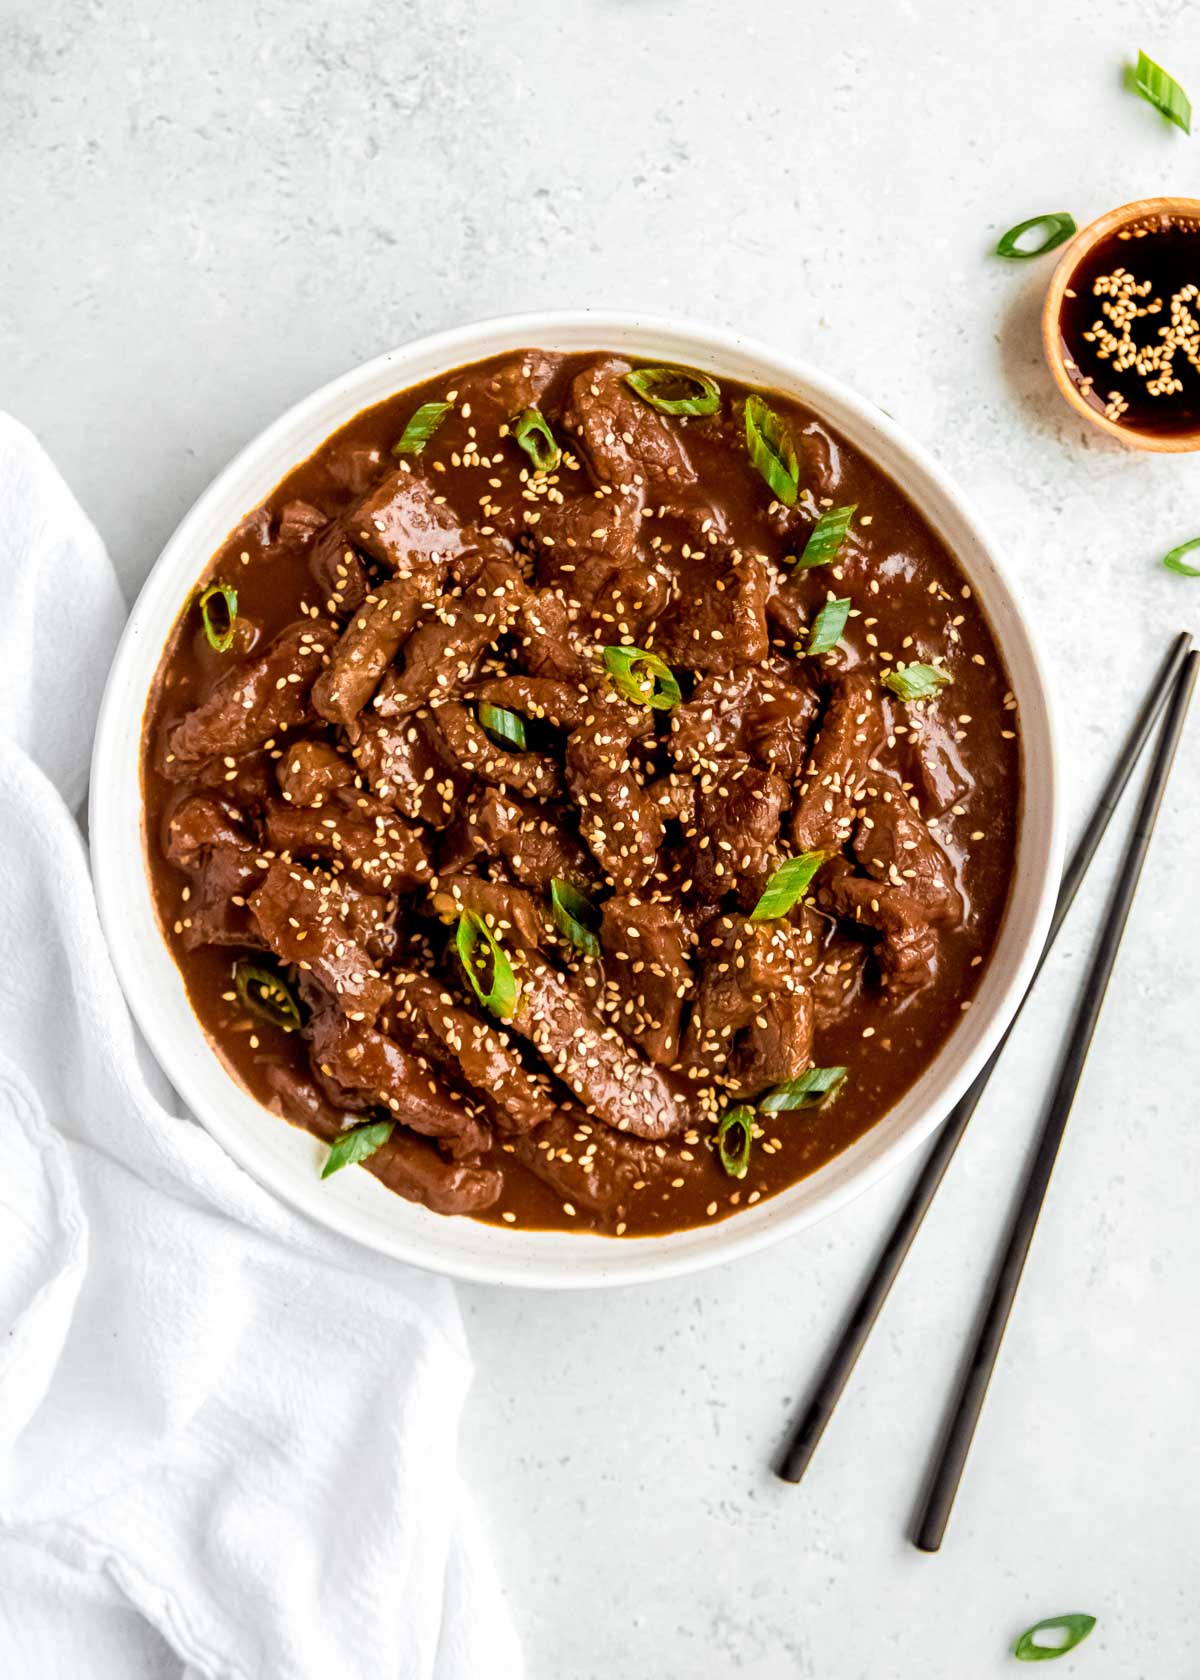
[1073, 254]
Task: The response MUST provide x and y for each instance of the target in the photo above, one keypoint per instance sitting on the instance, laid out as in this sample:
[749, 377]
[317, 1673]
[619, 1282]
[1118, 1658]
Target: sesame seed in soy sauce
[1130, 326]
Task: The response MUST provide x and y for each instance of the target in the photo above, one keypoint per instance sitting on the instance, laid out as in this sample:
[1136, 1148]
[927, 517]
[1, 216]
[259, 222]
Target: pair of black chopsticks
[1172, 690]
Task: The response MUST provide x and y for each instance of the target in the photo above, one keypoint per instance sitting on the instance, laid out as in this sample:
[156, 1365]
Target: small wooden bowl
[1174, 443]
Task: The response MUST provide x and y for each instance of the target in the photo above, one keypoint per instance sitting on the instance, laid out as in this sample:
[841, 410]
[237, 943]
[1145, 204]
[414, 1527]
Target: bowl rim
[1087, 238]
[153, 986]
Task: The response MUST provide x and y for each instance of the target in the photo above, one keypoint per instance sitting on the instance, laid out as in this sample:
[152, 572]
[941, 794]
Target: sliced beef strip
[536, 848]
[837, 772]
[629, 602]
[751, 1024]
[675, 796]
[591, 1167]
[565, 705]
[547, 646]
[748, 710]
[304, 917]
[606, 523]
[405, 1164]
[838, 982]
[935, 765]
[361, 1067]
[404, 763]
[474, 753]
[258, 699]
[517, 384]
[735, 844]
[907, 950]
[622, 440]
[482, 1054]
[894, 846]
[618, 818]
[778, 727]
[404, 520]
[299, 522]
[339, 572]
[647, 975]
[592, 1059]
[717, 629]
[310, 771]
[370, 641]
[512, 913]
[352, 832]
[211, 843]
[442, 656]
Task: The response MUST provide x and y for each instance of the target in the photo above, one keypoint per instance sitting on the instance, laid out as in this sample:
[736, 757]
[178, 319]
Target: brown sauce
[957, 758]
[1130, 326]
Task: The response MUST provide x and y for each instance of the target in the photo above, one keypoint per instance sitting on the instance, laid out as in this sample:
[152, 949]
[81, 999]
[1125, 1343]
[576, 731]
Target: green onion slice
[808, 1091]
[1153, 84]
[787, 886]
[1059, 228]
[826, 537]
[642, 677]
[673, 390]
[915, 681]
[770, 448]
[532, 432]
[735, 1135]
[479, 950]
[1075, 1627]
[502, 725]
[356, 1145]
[828, 625]
[219, 621]
[1174, 562]
[421, 428]
[263, 993]
[572, 911]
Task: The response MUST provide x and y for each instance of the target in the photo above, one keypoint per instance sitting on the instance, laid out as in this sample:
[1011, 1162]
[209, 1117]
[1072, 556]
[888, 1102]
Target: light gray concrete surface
[210, 209]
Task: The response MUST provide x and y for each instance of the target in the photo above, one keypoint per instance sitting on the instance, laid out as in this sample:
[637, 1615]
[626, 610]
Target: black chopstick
[802, 1442]
[944, 1484]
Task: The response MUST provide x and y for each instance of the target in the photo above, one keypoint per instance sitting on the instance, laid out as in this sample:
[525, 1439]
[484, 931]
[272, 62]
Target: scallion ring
[357, 1144]
[1153, 84]
[1074, 1627]
[787, 886]
[219, 621]
[1059, 227]
[769, 445]
[828, 625]
[673, 390]
[532, 432]
[421, 428]
[735, 1136]
[642, 677]
[505, 727]
[1174, 562]
[472, 933]
[826, 537]
[572, 911]
[915, 681]
[265, 994]
[808, 1090]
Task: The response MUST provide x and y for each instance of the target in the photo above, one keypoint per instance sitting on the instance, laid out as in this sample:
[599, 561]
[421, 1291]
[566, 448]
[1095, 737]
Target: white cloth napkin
[211, 1412]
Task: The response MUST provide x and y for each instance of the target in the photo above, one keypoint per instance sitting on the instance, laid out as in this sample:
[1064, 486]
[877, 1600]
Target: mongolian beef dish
[584, 794]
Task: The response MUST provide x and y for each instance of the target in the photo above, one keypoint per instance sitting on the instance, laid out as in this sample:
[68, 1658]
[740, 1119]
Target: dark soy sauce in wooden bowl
[1130, 326]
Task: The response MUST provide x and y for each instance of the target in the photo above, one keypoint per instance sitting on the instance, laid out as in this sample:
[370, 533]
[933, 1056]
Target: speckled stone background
[210, 209]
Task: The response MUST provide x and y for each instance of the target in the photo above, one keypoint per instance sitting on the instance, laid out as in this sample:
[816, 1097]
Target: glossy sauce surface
[957, 756]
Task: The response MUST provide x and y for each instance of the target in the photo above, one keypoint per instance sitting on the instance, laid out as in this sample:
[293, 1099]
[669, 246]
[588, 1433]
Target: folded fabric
[211, 1411]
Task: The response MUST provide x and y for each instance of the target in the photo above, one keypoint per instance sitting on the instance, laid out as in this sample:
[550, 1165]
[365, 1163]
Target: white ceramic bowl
[286, 1159]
